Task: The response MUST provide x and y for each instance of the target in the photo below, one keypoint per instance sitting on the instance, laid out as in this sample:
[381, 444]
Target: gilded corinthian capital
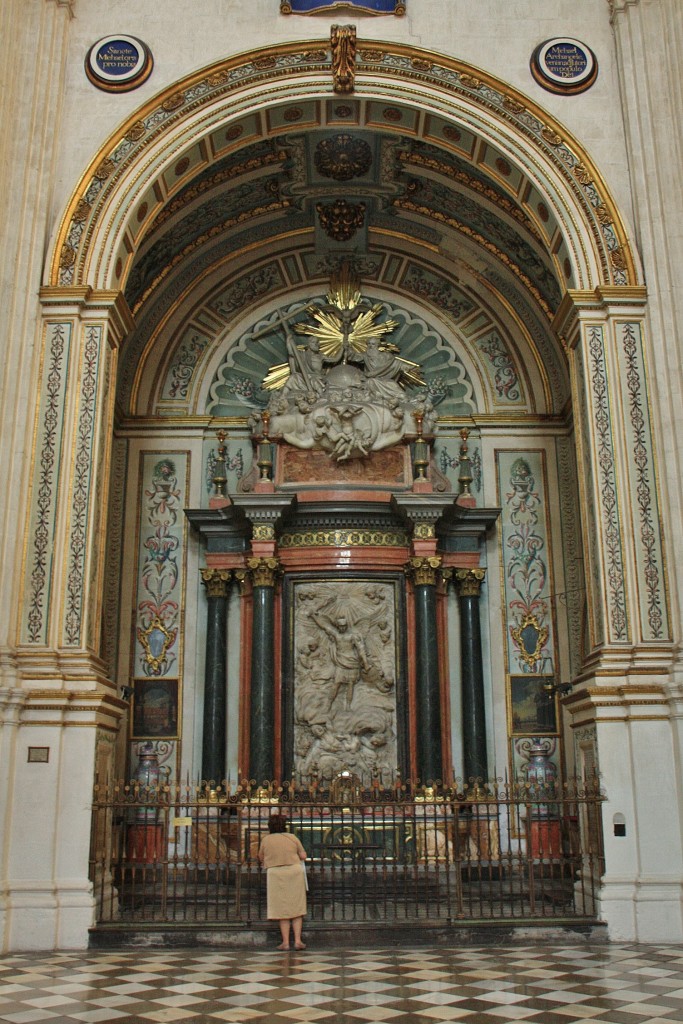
[469, 581]
[216, 581]
[263, 570]
[423, 571]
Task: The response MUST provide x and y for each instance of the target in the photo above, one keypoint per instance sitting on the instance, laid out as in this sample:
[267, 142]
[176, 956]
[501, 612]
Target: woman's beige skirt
[286, 890]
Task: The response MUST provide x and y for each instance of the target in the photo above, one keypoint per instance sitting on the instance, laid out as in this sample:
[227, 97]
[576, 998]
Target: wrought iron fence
[177, 853]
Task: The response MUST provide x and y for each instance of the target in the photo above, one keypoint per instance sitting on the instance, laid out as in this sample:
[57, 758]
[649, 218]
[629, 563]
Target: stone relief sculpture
[345, 389]
[345, 679]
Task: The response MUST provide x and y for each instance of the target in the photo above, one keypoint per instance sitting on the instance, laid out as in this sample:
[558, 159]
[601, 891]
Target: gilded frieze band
[345, 539]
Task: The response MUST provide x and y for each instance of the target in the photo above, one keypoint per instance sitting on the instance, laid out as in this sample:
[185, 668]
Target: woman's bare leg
[284, 932]
[297, 925]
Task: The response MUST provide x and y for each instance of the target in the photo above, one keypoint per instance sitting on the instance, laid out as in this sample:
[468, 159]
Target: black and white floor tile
[550, 984]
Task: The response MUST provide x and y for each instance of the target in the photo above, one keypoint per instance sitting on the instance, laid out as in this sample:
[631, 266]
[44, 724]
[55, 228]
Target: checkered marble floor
[614, 984]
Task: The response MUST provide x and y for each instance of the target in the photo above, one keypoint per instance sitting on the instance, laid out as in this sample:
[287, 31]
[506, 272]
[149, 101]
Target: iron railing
[497, 852]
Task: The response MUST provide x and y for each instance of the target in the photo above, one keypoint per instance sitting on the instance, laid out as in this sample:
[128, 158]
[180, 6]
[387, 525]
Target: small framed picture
[155, 709]
[38, 755]
[532, 705]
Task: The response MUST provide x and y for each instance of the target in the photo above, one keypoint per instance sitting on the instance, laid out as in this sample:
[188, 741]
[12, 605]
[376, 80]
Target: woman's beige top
[280, 848]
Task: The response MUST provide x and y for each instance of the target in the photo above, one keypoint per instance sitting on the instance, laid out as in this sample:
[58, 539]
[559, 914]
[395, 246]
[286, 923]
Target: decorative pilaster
[468, 585]
[626, 573]
[648, 44]
[424, 573]
[68, 502]
[214, 719]
[262, 719]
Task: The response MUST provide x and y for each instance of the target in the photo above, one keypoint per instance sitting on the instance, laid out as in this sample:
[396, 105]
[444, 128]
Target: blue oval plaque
[118, 63]
[564, 65]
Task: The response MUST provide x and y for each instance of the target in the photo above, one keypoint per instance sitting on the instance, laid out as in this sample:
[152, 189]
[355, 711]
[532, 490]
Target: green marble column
[429, 748]
[468, 583]
[215, 676]
[262, 708]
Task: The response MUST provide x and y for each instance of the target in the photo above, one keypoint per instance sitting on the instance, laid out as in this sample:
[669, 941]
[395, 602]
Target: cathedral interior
[341, 465]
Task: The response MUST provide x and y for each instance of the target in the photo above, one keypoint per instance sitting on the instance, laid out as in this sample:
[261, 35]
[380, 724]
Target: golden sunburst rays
[343, 328]
[328, 329]
[365, 327]
[276, 377]
[347, 333]
[344, 290]
[411, 373]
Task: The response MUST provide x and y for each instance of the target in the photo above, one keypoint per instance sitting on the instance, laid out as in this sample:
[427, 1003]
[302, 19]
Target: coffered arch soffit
[431, 172]
[477, 348]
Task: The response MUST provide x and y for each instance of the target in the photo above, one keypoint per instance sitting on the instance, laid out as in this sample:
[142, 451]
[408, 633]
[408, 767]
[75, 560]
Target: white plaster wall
[642, 890]
[49, 898]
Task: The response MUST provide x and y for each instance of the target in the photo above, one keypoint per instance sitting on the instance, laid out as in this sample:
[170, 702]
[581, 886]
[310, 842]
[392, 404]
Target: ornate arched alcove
[216, 214]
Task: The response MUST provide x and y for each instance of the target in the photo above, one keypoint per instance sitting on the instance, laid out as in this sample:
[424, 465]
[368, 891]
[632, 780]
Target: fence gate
[184, 854]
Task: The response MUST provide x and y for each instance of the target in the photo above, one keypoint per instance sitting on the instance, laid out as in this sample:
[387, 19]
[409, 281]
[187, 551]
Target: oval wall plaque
[118, 63]
[564, 65]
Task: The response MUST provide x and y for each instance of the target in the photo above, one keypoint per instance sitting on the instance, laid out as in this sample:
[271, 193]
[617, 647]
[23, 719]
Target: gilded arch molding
[87, 241]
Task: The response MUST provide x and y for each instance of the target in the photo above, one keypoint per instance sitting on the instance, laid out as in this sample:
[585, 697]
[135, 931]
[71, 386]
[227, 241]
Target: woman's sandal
[300, 945]
[282, 946]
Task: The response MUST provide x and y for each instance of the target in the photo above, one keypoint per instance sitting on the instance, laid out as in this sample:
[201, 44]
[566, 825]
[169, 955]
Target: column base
[642, 911]
[47, 918]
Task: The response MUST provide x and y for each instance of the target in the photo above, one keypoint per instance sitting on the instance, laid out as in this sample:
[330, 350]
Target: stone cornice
[619, 6]
[68, 5]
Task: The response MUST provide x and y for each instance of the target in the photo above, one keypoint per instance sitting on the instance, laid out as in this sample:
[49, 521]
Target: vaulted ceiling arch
[431, 172]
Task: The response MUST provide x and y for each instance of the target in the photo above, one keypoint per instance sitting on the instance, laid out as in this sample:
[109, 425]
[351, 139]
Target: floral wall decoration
[185, 362]
[506, 380]
[526, 558]
[160, 548]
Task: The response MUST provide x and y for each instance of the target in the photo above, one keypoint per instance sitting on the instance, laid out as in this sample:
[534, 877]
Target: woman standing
[281, 855]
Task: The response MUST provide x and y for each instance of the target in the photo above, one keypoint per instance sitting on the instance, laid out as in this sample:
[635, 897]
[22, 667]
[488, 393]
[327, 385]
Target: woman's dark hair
[277, 823]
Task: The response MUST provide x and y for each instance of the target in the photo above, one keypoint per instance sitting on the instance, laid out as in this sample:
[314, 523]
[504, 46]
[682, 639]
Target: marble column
[468, 584]
[429, 749]
[262, 722]
[215, 676]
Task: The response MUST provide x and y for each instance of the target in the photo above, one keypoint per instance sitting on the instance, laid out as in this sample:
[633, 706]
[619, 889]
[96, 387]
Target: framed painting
[155, 709]
[532, 705]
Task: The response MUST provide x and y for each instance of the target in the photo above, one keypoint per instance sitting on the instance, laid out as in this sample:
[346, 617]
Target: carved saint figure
[383, 370]
[305, 367]
[344, 679]
[348, 652]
